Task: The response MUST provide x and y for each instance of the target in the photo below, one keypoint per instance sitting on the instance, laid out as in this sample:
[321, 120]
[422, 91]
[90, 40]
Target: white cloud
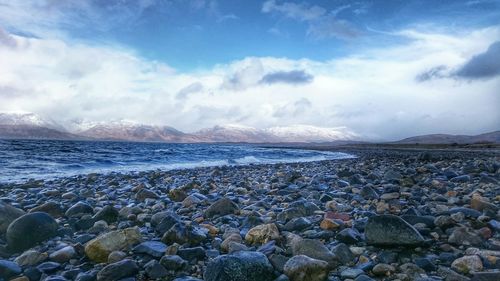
[374, 94]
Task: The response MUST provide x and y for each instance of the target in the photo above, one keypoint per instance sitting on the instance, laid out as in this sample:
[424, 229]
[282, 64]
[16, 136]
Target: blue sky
[217, 61]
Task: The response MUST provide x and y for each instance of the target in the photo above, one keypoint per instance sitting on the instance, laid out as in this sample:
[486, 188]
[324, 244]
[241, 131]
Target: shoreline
[326, 216]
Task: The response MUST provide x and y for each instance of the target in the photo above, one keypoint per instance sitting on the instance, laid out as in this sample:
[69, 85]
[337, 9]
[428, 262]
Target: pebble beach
[384, 215]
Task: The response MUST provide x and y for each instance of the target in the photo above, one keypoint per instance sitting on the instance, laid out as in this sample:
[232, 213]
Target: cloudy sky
[384, 69]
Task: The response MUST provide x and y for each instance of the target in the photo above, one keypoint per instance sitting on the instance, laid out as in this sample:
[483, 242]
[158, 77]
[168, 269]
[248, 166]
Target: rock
[297, 224]
[383, 269]
[329, 224]
[9, 269]
[155, 249]
[177, 194]
[351, 273]
[52, 208]
[155, 270]
[144, 194]
[390, 230]
[241, 266]
[181, 234]
[486, 276]
[461, 179]
[30, 258]
[98, 249]
[464, 236]
[7, 215]
[304, 268]
[49, 267]
[479, 203]
[108, 214]
[116, 256]
[262, 234]
[313, 249]
[63, 255]
[467, 264]
[192, 254]
[118, 270]
[79, 209]
[232, 238]
[343, 253]
[164, 221]
[29, 230]
[173, 262]
[367, 192]
[349, 236]
[221, 207]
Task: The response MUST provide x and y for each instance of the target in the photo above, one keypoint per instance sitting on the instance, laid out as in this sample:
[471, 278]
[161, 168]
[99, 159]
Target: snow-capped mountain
[307, 133]
[295, 133]
[27, 119]
[131, 131]
[29, 125]
[234, 133]
[21, 125]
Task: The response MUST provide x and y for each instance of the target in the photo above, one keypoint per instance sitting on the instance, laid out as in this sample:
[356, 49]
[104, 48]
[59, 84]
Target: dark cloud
[482, 66]
[288, 77]
[188, 90]
[433, 73]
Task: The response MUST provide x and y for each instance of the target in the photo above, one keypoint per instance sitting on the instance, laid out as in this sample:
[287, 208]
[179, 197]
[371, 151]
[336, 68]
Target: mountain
[130, 131]
[235, 133]
[31, 126]
[307, 133]
[493, 137]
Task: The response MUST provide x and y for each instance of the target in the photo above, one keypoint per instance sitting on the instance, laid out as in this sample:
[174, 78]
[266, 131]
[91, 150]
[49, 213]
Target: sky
[384, 69]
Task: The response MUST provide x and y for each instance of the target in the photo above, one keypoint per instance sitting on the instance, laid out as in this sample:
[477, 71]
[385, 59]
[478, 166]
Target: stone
[118, 270]
[383, 269]
[99, 248]
[52, 208]
[221, 207]
[241, 266]
[390, 230]
[368, 193]
[155, 249]
[7, 215]
[262, 234]
[304, 268]
[144, 194]
[313, 249]
[116, 256]
[79, 209]
[49, 267]
[108, 214]
[182, 234]
[479, 203]
[342, 253]
[297, 224]
[329, 224]
[464, 236]
[467, 264]
[232, 238]
[173, 262]
[29, 230]
[155, 270]
[351, 273]
[30, 258]
[63, 255]
[9, 269]
[486, 276]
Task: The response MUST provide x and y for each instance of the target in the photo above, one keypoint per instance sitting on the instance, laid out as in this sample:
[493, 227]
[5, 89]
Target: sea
[22, 160]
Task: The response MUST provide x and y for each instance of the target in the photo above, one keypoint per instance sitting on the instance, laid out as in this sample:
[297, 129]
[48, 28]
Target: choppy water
[25, 159]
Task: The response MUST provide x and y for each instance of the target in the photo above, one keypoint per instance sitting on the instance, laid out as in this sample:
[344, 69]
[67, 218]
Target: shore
[393, 213]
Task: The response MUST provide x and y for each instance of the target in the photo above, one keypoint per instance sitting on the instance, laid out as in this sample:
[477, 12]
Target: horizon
[382, 69]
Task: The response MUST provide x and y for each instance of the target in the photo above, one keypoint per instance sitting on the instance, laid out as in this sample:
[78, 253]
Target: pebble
[387, 214]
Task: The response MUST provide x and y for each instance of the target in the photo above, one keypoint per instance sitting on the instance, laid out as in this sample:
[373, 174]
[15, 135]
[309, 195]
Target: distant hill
[493, 137]
[34, 132]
